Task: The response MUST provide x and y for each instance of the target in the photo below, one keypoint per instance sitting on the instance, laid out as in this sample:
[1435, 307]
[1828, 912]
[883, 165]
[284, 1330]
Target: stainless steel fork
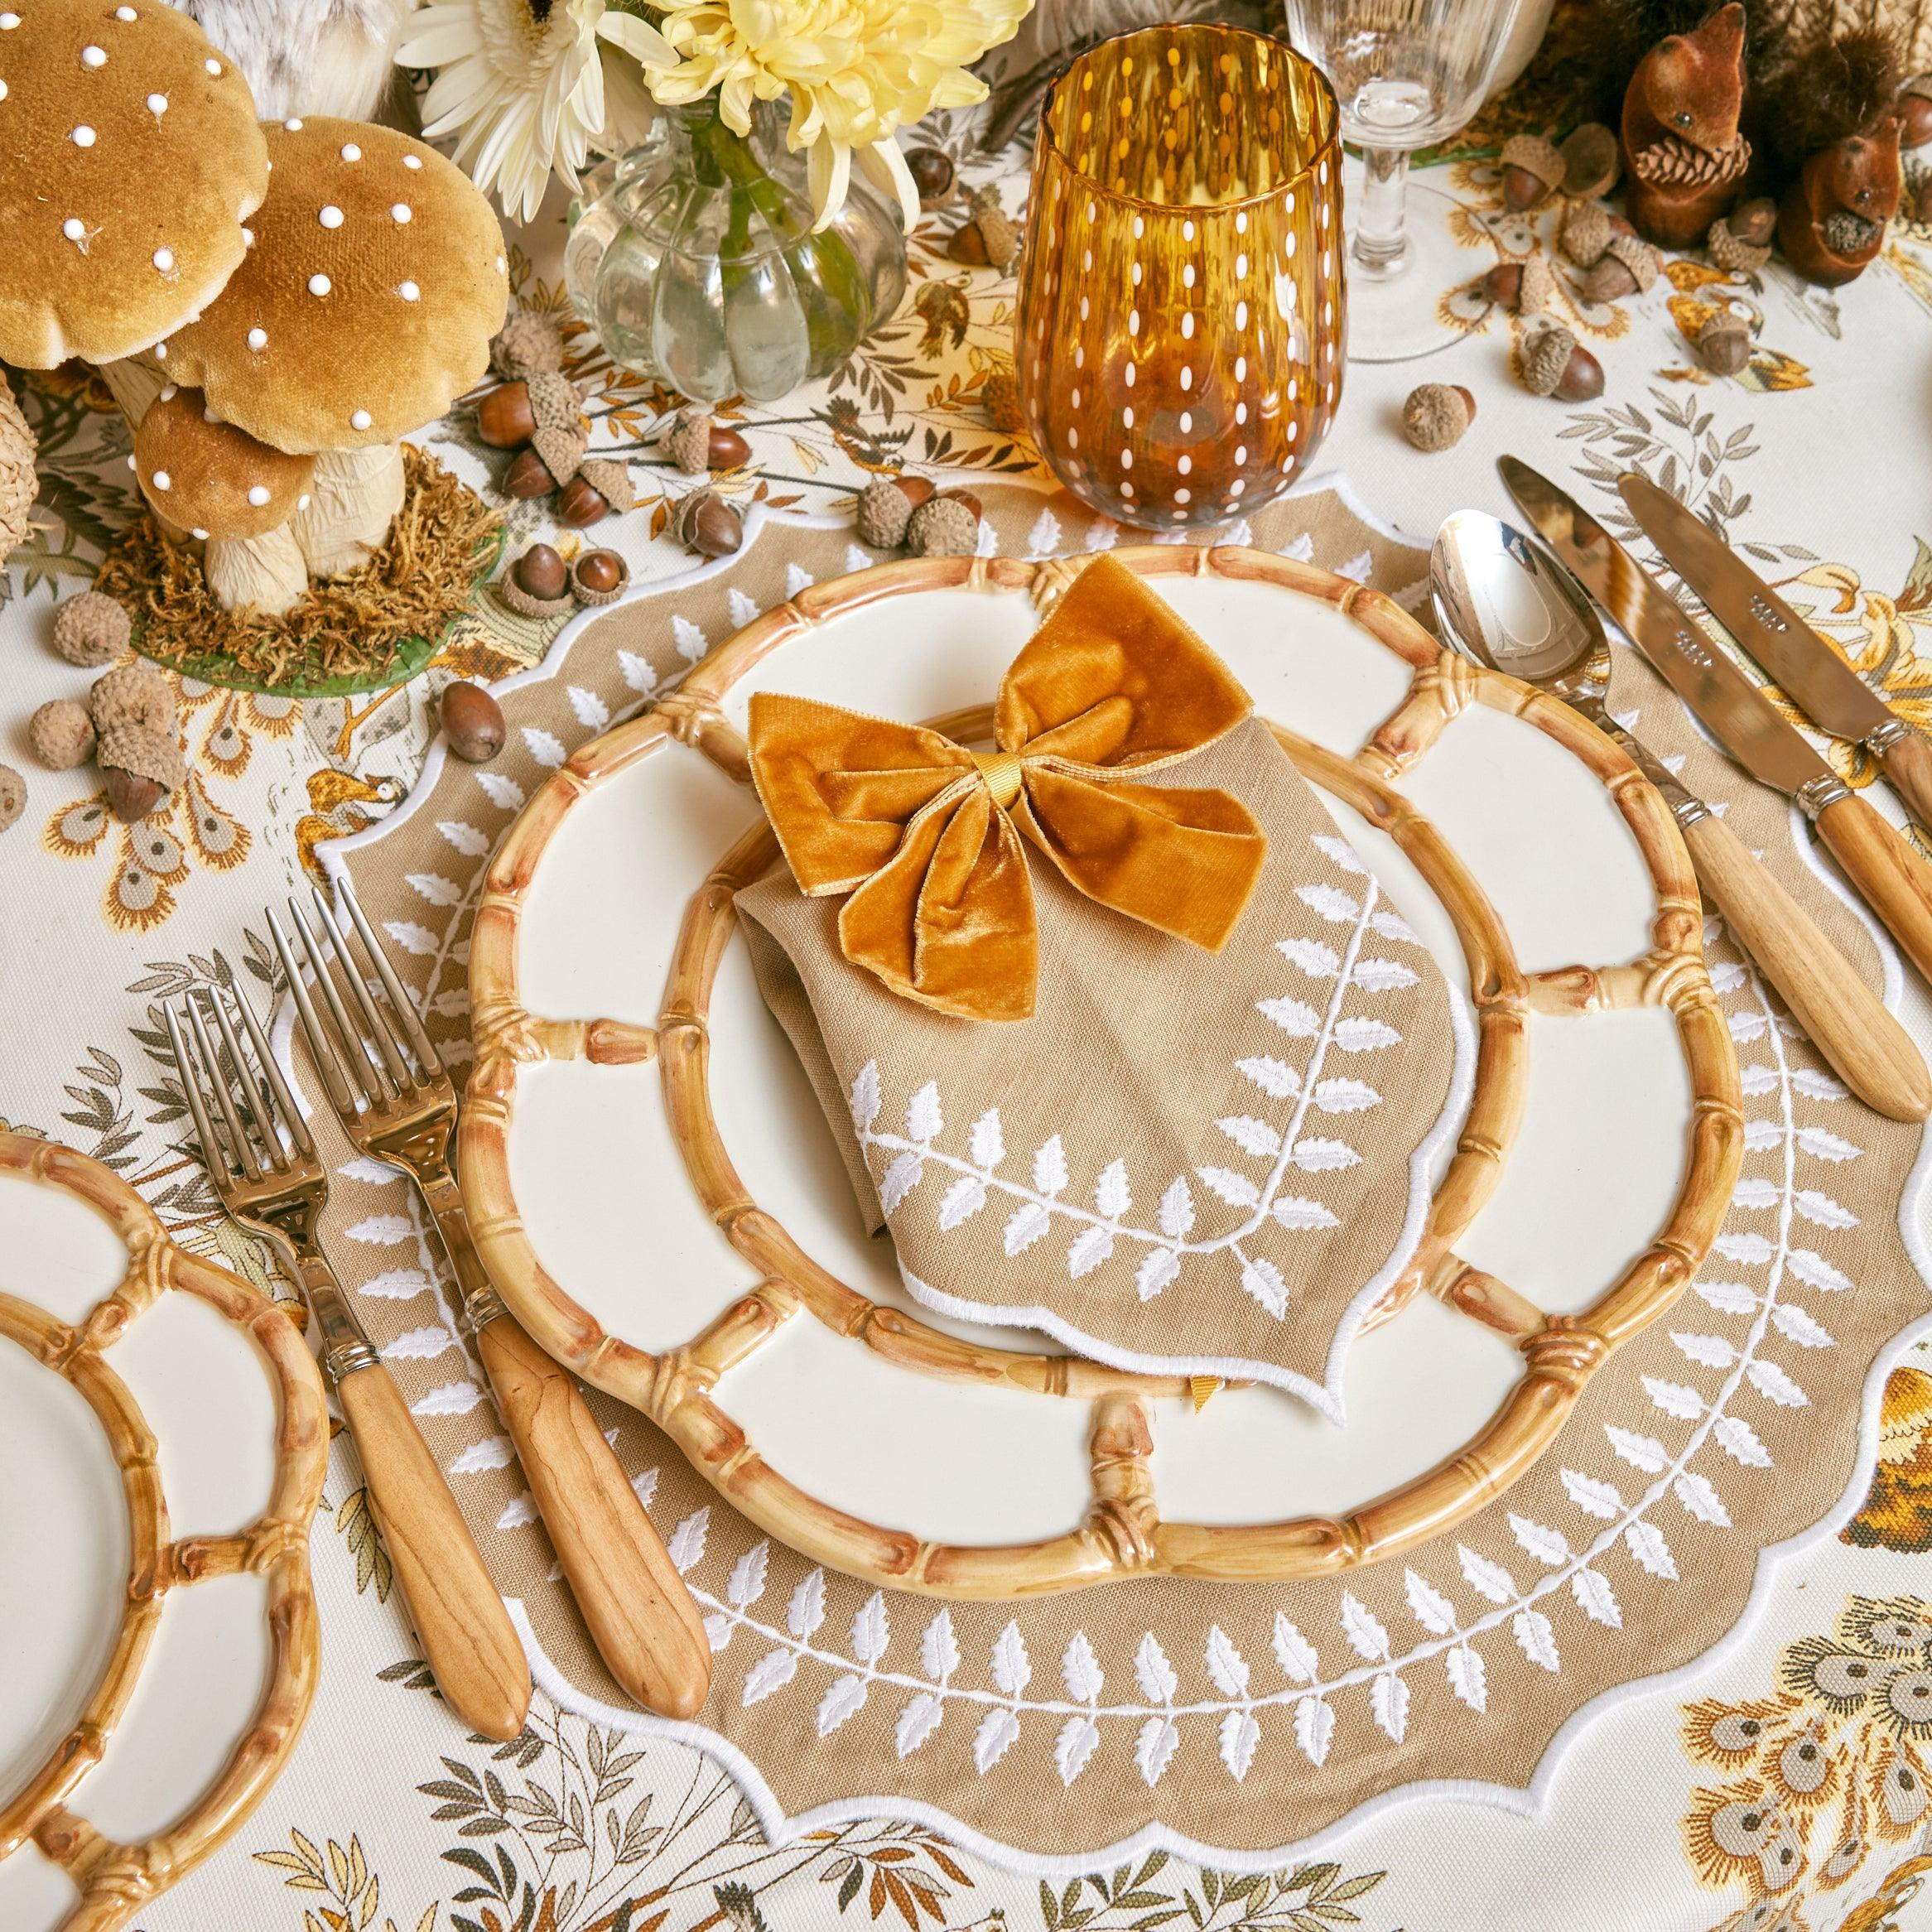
[265, 1169]
[398, 1105]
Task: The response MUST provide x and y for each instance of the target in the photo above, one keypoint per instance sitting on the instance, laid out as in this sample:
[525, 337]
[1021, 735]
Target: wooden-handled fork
[276, 1186]
[399, 1106]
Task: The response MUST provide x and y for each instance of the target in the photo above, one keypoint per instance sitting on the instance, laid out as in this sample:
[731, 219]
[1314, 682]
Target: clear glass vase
[698, 263]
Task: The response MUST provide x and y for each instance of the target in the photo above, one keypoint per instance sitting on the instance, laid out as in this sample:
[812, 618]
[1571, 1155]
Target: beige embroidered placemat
[1232, 1720]
[1228, 1197]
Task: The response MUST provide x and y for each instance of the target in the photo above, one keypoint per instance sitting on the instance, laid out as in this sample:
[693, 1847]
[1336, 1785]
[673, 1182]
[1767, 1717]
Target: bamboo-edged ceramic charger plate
[655, 1193]
[163, 1436]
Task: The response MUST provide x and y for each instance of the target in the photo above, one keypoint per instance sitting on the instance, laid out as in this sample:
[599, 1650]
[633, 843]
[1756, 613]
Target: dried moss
[346, 633]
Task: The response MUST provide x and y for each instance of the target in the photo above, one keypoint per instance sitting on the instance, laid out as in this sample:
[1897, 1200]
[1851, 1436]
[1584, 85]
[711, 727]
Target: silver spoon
[1504, 599]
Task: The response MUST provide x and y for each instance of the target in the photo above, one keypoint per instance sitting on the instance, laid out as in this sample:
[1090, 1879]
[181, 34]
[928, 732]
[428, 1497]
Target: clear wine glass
[1408, 74]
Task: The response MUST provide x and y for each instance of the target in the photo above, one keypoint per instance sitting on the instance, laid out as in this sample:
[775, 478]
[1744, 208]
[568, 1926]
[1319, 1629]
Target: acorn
[1915, 111]
[600, 487]
[13, 796]
[963, 496]
[688, 440]
[1755, 222]
[1586, 232]
[1554, 363]
[1436, 414]
[131, 796]
[1000, 396]
[599, 577]
[528, 477]
[946, 524]
[1724, 343]
[1503, 284]
[1627, 266]
[704, 522]
[539, 572]
[472, 720]
[504, 418]
[1532, 170]
[934, 175]
[1591, 161]
[987, 238]
[885, 506]
[1733, 256]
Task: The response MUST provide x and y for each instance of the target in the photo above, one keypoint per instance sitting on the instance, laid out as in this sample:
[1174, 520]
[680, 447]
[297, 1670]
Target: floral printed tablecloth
[389, 1816]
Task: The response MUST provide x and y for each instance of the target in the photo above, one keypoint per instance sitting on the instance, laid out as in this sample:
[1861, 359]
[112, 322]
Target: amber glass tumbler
[1182, 318]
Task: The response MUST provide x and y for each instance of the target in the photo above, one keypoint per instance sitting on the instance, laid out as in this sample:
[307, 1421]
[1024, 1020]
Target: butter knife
[1804, 665]
[1889, 875]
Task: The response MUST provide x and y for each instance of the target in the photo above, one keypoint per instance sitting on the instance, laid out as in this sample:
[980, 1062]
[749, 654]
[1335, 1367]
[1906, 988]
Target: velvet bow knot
[925, 835]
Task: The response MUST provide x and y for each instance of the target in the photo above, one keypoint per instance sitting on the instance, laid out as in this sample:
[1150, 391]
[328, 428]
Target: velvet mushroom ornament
[133, 163]
[366, 306]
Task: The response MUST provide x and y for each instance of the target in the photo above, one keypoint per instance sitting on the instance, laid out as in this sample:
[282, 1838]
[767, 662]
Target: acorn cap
[1536, 155]
[610, 479]
[525, 606]
[133, 696]
[13, 796]
[1537, 290]
[561, 450]
[1638, 256]
[1591, 160]
[1544, 357]
[210, 477]
[554, 401]
[584, 595]
[942, 526]
[1001, 236]
[366, 306]
[528, 344]
[1435, 415]
[148, 753]
[1586, 232]
[884, 510]
[60, 735]
[18, 483]
[1732, 255]
[688, 442]
[133, 161]
[91, 629]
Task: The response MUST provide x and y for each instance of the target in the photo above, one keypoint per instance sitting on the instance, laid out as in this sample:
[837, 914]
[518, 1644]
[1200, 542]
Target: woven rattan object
[116, 1880]
[1123, 1533]
[1810, 23]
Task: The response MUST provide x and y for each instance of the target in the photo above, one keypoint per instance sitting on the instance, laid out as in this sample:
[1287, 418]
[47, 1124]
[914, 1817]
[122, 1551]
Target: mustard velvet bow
[925, 835]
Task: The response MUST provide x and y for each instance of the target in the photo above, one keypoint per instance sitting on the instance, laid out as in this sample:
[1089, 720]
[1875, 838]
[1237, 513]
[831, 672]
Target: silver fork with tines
[396, 1104]
[266, 1169]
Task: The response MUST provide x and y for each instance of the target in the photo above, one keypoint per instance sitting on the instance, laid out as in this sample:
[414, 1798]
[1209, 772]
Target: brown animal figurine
[1685, 158]
[1831, 221]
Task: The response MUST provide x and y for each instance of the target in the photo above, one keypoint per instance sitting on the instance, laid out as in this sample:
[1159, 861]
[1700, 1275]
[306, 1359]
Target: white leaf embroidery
[743, 607]
[1816, 1086]
[864, 1097]
[1346, 1096]
[1759, 1135]
[1823, 1146]
[1177, 1211]
[1793, 1323]
[1263, 1280]
[1158, 1268]
[1754, 1191]
[1296, 1211]
[1294, 1653]
[1237, 1190]
[1274, 1077]
[1821, 1211]
[1738, 1439]
[870, 1630]
[466, 839]
[1154, 1673]
[544, 746]
[718, 1629]
[773, 1671]
[806, 1611]
[382, 1231]
[687, 1545]
[1774, 1386]
[1644, 1453]
[748, 1574]
[1295, 1017]
[1538, 1640]
[961, 1200]
[506, 794]
[1316, 1156]
[1674, 1399]
[1757, 1079]
[1468, 1677]
[1074, 1747]
[1318, 962]
[1647, 1546]
[995, 1738]
[1357, 1035]
[1080, 1669]
[1225, 1665]
[414, 939]
[1111, 1195]
[1050, 1166]
[1252, 1136]
[1393, 926]
[1710, 1351]
[939, 1649]
[989, 1142]
[902, 1175]
[1746, 1026]
[1314, 1725]
[1389, 1702]
[1750, 1250]
[1089, 1248]
[1592, 1496]
[1548, 1546]
[1488, 1578]
[1428, 1605]
[637, 673]
[1153, 1750]
[692, 643]
[1340, 853]
[845, 1698]
[1731, 1298]
[1702, 1501]
[1814, 1271]
[1596, 1598]
[1330, 902]
[923, 1120]
[593, 713]
[1011, 1668]
[916, 1722]
[1027, 1225]
[1382, 976]
[1239, 1734]
[1364, 1630]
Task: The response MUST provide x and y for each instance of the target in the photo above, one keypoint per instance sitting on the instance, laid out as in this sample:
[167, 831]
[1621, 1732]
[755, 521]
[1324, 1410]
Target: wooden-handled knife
[1809, 670]
[1894, 881]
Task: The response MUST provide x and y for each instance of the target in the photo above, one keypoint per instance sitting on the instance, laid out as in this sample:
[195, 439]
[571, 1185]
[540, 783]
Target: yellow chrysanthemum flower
[856, 70]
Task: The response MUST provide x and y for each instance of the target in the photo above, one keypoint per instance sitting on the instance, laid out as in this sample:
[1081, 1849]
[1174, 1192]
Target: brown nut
[1723, 344]
[706, 523]
[1914, 113]
[540, 572]
[934, 175]
[1609, 280]
[966, 497]
[916, 489]
[1754, 223]
[579, 505]
[528, 477]
[728, 450]
[504, 418]
[968, 245]
[1581, 379]
[1503, 284]
[599, 570]
[472, 722]
[1522, 189]
[131, 796]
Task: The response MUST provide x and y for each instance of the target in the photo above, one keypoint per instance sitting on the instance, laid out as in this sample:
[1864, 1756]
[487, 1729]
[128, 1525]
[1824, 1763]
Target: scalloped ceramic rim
[116, 1880]
[1122, 1535]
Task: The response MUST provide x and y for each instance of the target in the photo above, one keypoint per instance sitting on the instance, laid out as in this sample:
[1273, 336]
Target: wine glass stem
[1380, 249]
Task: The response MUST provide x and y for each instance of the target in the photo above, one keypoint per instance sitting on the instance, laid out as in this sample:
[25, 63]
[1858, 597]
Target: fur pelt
[1615, 35]
[311, 56]
[1804, 100]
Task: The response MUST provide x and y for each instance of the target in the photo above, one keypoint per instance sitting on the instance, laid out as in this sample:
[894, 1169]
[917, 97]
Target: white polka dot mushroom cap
[367, 303]
[207, 477]
[126, 171]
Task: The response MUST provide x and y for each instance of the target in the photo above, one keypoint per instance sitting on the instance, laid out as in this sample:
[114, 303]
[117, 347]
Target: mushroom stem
[266, 573]
[134, 381]
[353, 499]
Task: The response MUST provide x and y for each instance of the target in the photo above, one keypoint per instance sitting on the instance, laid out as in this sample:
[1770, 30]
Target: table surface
[1819, 452]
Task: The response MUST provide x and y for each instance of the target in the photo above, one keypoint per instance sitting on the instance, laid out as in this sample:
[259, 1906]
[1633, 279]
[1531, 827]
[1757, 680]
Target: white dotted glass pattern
[1184, 183]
